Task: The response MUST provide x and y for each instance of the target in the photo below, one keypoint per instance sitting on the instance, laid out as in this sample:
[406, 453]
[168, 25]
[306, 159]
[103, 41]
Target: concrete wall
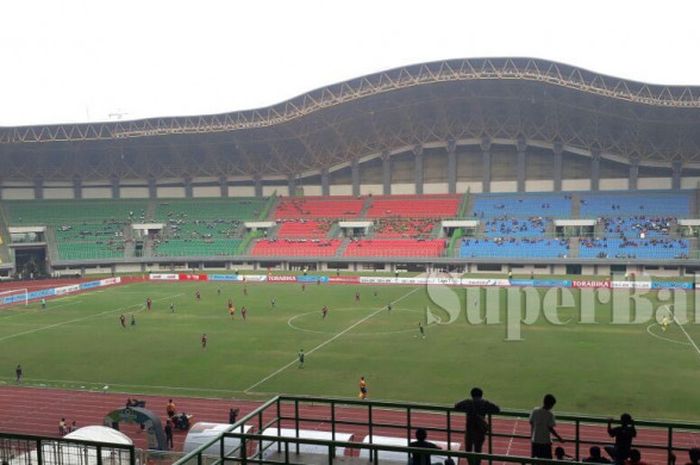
[206, 191]
[341, 189]
[133, 192]
[374, 189]
[654, 183]
[504, 186]
[170, 192]
[435, 188]
[576, 184]
[97, 192]
[241, 191]
[614, 184]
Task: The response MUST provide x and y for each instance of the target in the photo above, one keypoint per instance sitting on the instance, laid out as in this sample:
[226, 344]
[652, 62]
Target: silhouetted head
[477, 393]
[694, 454]
[626, 419]
[421, 434]
[559, 453]
[594, 451]
[549, 401]
[635, 456]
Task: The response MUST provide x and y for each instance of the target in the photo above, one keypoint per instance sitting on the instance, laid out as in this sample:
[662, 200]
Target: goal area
[13, 297]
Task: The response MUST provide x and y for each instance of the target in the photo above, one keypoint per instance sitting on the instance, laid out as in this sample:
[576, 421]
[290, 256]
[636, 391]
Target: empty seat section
[72, 212]
[522, 205]
[414, 206]
[395, 248]
[303, 229]
[295, 248]
[514, 247]
[647, 203]
[319, 207]
[210, 209]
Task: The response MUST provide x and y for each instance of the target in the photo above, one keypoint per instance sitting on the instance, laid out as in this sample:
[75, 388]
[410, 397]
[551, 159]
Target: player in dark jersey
[324, 311]
[149, 303]
[204, 341]
[244, 312]
[122, 320]
[197, 295]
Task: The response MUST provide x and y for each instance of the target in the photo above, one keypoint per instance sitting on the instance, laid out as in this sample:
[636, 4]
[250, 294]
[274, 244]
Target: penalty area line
[328, 341]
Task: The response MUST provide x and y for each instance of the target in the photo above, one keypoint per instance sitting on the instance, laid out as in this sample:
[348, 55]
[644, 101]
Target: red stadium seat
[395, 248]
[296, 248]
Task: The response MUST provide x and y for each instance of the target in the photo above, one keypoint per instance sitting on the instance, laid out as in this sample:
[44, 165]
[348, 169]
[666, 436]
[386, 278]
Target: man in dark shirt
[476, 409]
[421, 458]
[623, 434]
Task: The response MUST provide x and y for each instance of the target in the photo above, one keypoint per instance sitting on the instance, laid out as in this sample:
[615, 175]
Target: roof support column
[521, 146]
[223, 186]
[152, 189]
[77, 187]
[558, 150]
[418, 152]
[595, 169]
[325, 184]
[188, 186]
[355, 171]
[677, 167]
[258, 185]
[451, 166]
[386, 173]
[114, 181]
[486, 164]
[38, 187]
[634, 173]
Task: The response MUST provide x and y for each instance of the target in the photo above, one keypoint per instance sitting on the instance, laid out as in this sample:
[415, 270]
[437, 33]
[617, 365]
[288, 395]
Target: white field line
[328, 341]
[75, 320]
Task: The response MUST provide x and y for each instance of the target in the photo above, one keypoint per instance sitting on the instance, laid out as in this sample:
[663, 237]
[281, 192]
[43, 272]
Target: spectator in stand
[623, 434]
[542, 425]
[595, 456]
[693, 455]
[421, 458]
[477, 427]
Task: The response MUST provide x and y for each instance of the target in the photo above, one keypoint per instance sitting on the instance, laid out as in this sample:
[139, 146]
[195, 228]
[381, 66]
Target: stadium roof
[517, 99]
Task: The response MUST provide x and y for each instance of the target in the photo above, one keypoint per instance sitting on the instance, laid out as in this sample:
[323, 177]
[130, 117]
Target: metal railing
[399, 420]
[23, 449]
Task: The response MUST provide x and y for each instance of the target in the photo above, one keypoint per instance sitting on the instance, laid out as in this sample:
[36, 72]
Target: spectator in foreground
[542, 424]
[635, 458]
[170, 408]
[421, 458]
[169, 433]
[477, 427]
[561, 455]
[623, 434]
[693, 455]
[595, 456]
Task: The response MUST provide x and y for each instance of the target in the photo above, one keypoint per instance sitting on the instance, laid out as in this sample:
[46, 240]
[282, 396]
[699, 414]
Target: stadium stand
[295, 247]
[625, 248]
[407, 228]
[514, 247]
[73, 212]
[522, 205]
[319, 207]
[414, 206]
[303, 229]
[395, 248]
[623, 204]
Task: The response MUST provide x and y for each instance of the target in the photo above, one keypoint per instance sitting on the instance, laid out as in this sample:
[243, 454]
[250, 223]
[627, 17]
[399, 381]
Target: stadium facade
[496, 125]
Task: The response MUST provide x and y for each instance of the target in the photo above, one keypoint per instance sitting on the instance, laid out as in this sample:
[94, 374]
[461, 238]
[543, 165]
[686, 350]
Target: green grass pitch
[598, 369]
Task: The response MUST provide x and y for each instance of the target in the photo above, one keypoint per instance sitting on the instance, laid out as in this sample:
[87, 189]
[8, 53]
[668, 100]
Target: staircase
[343, 246]
[151, 210]
[51, 244]
[365, 207]
[466, 207]
[129, 244]
[575, 206]
[574, 246]
[4, 238]
[333, 231]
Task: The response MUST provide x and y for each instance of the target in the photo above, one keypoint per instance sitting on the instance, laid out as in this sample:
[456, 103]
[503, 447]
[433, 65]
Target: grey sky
[76, 61]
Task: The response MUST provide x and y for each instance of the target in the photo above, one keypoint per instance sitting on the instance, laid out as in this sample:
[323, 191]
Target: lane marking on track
[329, 340]
[75, 320]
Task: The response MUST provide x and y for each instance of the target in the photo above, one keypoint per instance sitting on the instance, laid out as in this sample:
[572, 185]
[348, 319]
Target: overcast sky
[75, 61]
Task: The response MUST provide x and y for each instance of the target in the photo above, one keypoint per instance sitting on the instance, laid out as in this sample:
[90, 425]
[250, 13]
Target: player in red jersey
[149, 303]
[324, 311]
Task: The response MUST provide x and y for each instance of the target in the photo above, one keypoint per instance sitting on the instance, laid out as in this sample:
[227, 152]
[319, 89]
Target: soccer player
[389, 307]
[133, 320]
[667, 319]
[421, 328]
[204, 340]
[363, 388]
[244, 312]
[273, 302]
[122, 320]
[19, 373]
[245, 290]
[149, 303]
[324, 311]
[231, 309]
[197, 295]
[218, 291]
[43, 304]
[303, 287]
[357, 296]
[301, 356]
[172, 307]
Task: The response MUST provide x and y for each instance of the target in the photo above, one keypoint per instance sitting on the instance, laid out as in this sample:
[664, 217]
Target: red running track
[32, 410]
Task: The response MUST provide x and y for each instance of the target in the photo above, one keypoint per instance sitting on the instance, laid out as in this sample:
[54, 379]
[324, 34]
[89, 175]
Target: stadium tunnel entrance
[143, 417]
